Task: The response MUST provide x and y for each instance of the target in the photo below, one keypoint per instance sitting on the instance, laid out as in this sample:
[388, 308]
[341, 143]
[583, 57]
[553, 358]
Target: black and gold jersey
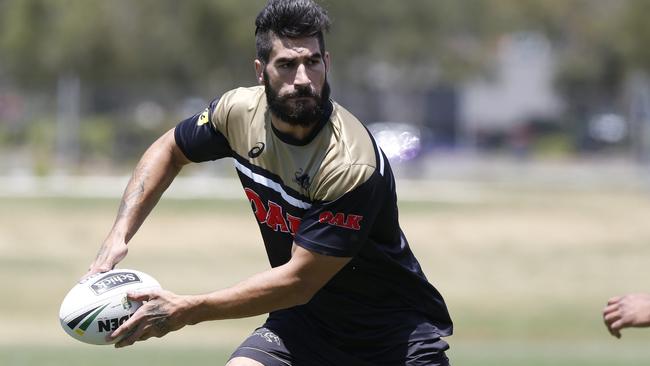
[332, 193]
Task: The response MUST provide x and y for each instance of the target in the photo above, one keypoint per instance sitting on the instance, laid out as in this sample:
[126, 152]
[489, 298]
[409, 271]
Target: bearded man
[344, 287]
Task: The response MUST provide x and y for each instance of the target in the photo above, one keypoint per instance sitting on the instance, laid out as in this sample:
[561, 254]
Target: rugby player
[344, 287]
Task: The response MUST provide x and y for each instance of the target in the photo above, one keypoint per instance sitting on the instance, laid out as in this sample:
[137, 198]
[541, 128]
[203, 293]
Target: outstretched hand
[161, 313]
[110, 254]
[632, 310]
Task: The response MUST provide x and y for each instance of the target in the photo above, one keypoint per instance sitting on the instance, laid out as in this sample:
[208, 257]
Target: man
[344, 287]
[631, 310]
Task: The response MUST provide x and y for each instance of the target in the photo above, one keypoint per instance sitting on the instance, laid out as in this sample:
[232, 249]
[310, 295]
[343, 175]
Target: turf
[525, 273]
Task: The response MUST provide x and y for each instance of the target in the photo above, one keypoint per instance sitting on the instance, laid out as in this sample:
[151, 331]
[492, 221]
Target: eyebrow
[291, 59]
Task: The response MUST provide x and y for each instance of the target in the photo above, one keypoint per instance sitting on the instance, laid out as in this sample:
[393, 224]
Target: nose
[301, 79]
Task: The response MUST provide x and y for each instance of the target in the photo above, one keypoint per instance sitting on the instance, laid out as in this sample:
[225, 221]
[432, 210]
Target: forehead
[294, 47]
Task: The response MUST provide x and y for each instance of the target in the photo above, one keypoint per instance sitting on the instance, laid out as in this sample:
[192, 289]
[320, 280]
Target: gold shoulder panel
[236, 108]
[350, 160]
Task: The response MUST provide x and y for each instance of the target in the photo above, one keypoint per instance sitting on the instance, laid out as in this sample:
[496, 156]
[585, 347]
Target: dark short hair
[289, 19]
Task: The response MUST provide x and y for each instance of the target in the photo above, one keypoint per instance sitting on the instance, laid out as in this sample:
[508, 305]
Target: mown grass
[525, 273]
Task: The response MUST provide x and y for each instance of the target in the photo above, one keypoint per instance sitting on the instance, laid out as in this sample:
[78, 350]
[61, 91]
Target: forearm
[262, 293]
[291, 284]
[154, 173]
[151, 177]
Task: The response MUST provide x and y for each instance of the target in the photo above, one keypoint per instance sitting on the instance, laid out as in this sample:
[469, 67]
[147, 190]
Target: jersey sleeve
[340, 227]
[198, 137]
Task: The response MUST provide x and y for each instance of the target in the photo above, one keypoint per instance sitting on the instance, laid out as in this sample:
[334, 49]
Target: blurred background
[519, 131]
[86, 85]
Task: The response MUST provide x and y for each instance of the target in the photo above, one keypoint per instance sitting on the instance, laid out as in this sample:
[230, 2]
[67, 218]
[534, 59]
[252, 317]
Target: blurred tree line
[122, 52]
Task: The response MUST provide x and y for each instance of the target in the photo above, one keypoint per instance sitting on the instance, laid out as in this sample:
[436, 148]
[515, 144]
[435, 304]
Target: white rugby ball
[97, 306]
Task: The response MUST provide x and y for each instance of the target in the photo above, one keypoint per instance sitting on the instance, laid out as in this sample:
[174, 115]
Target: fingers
[146, 322]
[143, 295]
[111, 252]
[612, 320]
[131, 324]
[611, 317]
[614, 300]
[615, 316]
[144, 330]
[616, 326]
[158, 328]
[130, 331]
[127, 327]
[92, 272]
[611, 314]
[133, 336]
[610, 308]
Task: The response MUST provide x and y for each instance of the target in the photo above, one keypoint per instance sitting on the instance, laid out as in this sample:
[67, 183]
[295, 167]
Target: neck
[298, 132]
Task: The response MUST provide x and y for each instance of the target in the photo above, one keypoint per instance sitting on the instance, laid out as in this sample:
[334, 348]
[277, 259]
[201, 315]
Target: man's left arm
[631, 310]
[291, 284]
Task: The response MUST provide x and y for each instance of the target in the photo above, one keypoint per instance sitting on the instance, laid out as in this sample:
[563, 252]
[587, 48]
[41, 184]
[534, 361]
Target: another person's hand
[632, 310]
[161, 313]
[109, 255]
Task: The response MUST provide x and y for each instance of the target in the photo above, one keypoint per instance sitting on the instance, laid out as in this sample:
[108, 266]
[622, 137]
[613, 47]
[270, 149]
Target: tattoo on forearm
[135, 191]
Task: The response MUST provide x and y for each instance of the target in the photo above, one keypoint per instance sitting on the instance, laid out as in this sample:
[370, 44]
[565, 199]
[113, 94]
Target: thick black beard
[301, 114]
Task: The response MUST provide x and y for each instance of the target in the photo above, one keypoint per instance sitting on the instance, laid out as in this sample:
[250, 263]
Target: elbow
[303, 292]
[303, 298]
[177, 157]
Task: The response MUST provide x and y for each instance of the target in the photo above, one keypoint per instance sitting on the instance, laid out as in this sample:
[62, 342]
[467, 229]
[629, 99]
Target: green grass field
[525, 273]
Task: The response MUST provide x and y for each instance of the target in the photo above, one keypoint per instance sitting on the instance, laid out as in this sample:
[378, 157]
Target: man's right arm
[154, 173]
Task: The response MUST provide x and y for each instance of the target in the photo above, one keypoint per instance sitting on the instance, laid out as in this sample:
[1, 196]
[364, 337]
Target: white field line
[211, 187]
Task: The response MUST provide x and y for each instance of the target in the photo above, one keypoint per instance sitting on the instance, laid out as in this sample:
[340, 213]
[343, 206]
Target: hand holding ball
[96, 307]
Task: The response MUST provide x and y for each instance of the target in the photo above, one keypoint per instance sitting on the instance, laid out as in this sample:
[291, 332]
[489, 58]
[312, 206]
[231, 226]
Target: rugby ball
[97, 306]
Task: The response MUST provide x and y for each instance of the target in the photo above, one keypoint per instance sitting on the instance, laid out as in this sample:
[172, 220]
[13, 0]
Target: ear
[259, 71]
[326, 60]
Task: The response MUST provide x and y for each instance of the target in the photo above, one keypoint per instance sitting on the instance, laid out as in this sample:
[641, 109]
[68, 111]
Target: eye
[285, 65]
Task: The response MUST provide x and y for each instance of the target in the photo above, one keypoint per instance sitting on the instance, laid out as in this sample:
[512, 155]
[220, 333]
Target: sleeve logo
[341, 220]
[204, 117]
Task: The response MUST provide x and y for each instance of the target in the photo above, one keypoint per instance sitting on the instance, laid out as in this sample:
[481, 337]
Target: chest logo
[302, 179]
[272, 214]
[256, 150]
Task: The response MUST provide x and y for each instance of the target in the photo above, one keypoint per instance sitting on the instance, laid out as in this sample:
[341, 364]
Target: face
[295, 80]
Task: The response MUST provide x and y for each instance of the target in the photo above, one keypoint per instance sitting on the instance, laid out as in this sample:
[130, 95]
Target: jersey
[332, 193]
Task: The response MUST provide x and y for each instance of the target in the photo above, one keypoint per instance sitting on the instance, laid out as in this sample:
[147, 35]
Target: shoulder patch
[204, 117]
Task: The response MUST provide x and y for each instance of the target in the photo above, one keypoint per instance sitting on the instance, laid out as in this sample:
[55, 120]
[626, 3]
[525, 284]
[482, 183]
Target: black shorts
[280, 347]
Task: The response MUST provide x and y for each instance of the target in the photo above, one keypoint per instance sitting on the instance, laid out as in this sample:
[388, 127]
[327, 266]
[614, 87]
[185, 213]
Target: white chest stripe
[381, 161]
[271, 184]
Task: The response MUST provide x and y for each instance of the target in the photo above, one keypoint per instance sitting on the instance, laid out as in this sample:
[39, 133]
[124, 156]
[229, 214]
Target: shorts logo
[256, 150]
[112, 281]
[268, 336]
[341, 220]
